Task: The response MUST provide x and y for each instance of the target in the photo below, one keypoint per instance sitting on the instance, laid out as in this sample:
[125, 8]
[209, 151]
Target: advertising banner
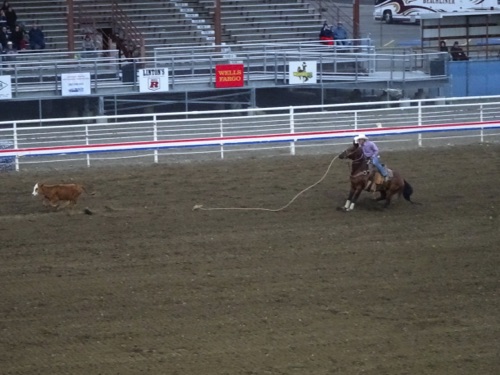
[75, 84]
[153, 80]
[229, 75]
[5, 87]
[300, 72]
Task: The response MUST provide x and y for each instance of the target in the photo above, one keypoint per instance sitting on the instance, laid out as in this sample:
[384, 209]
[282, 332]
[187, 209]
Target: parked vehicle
[410, 10]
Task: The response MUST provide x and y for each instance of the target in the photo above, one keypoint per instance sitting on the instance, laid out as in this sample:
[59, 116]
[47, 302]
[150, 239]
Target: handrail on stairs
[129, 39]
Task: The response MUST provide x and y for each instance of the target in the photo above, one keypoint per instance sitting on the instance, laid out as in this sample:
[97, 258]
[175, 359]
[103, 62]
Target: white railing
[185, 135]
[195, 67]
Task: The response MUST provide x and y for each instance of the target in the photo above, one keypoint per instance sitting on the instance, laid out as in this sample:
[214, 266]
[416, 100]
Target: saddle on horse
[375, 178]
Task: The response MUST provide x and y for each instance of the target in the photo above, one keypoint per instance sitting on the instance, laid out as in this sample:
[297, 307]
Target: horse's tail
[407, 191]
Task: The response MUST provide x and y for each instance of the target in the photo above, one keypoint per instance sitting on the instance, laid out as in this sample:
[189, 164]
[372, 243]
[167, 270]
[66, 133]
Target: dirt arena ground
[145, 285]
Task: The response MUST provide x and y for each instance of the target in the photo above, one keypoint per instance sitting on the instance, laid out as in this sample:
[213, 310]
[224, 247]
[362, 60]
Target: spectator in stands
[88, 45]
[9, 55]
[17, 37]
[443, 47]
[36, 37]
[3, 19]
[4, 38]
[11, 16]
[326, 35]
[340, 34]
[5, 5]
[457, 53]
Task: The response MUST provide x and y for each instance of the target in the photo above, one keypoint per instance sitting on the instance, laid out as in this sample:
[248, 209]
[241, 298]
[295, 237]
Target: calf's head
[35, 189]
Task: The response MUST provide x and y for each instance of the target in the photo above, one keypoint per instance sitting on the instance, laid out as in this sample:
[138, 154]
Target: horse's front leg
[347, 204]
[353, 198]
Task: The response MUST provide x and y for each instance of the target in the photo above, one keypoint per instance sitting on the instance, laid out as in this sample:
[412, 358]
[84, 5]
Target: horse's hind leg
[383, 196]
[388, 198]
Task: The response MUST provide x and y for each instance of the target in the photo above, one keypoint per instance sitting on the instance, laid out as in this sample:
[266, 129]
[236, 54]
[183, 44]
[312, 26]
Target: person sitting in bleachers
[340, 34]
[3, 19]
[5, 5]
[4, 38]
[326, 35]
[88, 46]
[36, 37]
[17, 38]
[9, 55]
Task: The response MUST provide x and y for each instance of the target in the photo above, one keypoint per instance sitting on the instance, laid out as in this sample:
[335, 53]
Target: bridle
[348, 154]
[356, 160]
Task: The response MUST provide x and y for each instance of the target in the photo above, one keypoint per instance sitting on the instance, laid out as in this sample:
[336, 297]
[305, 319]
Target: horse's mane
[357, 150]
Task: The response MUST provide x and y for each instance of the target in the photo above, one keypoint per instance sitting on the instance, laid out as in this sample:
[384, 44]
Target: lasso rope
[200, 207]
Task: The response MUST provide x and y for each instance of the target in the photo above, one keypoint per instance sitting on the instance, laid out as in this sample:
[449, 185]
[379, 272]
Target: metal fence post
[481, 119]
[419, 122]
[221, 135]
[155, 137]
[14, 130]
[292, 131]
[87, 143]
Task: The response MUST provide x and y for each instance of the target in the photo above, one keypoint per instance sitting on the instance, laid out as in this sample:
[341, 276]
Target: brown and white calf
[55, 194]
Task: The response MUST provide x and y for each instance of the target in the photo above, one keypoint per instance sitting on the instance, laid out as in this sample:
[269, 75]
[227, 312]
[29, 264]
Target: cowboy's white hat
[359, 136]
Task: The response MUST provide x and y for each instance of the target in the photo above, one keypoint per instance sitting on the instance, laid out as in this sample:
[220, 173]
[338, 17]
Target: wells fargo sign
[229, 75]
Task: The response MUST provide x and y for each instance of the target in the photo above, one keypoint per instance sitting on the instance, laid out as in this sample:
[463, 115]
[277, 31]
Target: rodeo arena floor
[147, 285]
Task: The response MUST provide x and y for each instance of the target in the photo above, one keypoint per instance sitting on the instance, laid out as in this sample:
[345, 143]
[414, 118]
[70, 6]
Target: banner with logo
[75, 84]
[153, 80]
[5, 87]
[229, 75]
[300, 72]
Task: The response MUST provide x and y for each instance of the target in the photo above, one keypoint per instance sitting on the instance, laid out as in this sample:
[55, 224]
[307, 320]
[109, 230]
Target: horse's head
[353, 152]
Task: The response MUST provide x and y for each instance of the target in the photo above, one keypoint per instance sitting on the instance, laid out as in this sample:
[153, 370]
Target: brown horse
[362, 178]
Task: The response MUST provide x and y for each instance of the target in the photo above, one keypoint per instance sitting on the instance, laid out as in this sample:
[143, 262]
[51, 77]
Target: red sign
[229, 75]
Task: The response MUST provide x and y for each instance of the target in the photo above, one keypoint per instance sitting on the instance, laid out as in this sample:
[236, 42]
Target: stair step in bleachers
[178, 22]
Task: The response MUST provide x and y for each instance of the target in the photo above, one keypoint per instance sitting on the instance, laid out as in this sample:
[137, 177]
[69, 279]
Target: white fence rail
[167, 137]
[32, 75]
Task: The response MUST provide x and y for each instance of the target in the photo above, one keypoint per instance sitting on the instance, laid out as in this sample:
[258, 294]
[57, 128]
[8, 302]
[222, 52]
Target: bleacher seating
[277, 20]
[171, 22]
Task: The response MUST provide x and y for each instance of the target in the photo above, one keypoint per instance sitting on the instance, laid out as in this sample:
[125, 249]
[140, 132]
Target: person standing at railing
[36, 37]
[444, 48]
[457, 53]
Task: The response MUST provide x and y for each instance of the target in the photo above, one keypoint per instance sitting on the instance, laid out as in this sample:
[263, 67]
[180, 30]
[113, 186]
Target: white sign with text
[153, 80]
[75, 84]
